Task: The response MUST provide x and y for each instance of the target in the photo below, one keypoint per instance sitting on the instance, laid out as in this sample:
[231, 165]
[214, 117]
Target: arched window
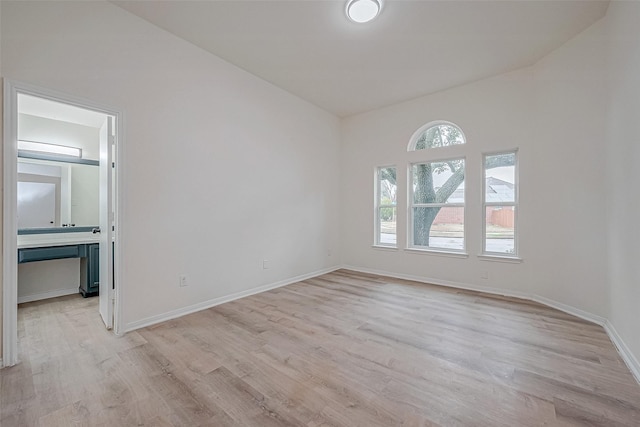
[436, 134]
[436, 195]
[437, 190]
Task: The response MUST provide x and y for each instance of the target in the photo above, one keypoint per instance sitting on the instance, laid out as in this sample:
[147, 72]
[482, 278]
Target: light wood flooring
[343, 349]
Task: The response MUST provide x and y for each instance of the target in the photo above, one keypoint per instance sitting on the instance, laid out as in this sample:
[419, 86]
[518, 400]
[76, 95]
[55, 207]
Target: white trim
[49, 294]
[414, 138]
[411, 205]
[118, 235]
[625, 353]
[377, 190]
[439, 282]
[439, 252]
[515, 204]
[441, 159]
[10, 228]
[511, 204]
[623, 350]
[500, 258]
[584, 315]
[385, 247]
[221, 300]
[437, 205]
[9, 259]
[627, 356]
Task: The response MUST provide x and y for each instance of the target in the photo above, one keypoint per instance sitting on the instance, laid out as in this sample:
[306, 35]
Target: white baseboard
[221, 300]
[49, 294]
[585, 315]
[629, 359]
[439, 282]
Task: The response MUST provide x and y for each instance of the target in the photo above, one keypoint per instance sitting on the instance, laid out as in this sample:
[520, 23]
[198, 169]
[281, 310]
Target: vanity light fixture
[43, 147]
[362, 11]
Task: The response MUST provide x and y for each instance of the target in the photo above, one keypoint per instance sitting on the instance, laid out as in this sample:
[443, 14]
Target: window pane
[387, 218]
[438, 182]
[441, 228]
[499, 229]
[387, 186]
[500, 178]
[441, 135]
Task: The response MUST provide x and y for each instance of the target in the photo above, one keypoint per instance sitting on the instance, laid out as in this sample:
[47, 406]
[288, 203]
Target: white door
[106, 222]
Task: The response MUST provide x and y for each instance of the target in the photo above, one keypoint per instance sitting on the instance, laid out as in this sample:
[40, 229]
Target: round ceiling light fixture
[361, 11]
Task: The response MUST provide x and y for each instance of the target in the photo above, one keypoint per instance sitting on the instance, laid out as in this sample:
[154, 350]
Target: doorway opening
[61, 204]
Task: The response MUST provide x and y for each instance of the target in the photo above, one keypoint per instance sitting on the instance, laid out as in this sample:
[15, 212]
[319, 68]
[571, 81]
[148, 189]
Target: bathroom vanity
[61, 245]
[58, 207]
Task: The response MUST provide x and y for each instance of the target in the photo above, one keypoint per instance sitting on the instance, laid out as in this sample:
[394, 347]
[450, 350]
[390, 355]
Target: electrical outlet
[265, 264]
[183, 280]
[329, 252]
[485, 275]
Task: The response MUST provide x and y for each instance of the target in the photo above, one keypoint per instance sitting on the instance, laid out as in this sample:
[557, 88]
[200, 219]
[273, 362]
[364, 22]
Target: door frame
[9, 218]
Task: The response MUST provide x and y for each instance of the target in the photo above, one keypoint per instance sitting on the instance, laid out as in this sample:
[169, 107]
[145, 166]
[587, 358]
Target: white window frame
[416, 135]
[378, 207]
[411, 205]
[515, 204]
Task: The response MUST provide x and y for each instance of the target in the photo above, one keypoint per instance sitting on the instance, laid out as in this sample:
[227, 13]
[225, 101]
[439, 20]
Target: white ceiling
[311, 49]
[48, 109]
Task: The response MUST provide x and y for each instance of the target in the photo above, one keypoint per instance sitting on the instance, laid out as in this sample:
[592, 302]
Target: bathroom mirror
[57, 195]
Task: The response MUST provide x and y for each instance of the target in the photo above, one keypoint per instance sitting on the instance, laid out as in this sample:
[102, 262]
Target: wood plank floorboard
[343, 349]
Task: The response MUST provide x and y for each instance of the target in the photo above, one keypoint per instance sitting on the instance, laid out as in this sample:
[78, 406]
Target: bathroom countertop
[56, 239]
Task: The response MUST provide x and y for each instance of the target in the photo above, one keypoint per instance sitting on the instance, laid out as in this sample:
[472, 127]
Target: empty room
[320, 213]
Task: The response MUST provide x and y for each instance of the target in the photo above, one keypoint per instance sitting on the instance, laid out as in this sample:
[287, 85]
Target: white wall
[46, 279]
[568, 174]
[85, 195]
[380, 138]
[554, 114]
[623, 149]
[222, 169]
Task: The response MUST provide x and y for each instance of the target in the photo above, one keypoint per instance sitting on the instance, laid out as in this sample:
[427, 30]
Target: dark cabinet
[47, 253]
[90, 280]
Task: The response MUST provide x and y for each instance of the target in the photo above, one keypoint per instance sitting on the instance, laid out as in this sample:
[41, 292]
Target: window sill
[444, 253]
[385, 248]
[500, 258]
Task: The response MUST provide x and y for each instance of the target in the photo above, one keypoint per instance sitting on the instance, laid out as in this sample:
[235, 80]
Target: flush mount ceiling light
[361, 11]
[43, 147]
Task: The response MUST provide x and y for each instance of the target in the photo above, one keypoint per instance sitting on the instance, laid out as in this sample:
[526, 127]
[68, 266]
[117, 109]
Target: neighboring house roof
[499, 190]
[495, 181]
